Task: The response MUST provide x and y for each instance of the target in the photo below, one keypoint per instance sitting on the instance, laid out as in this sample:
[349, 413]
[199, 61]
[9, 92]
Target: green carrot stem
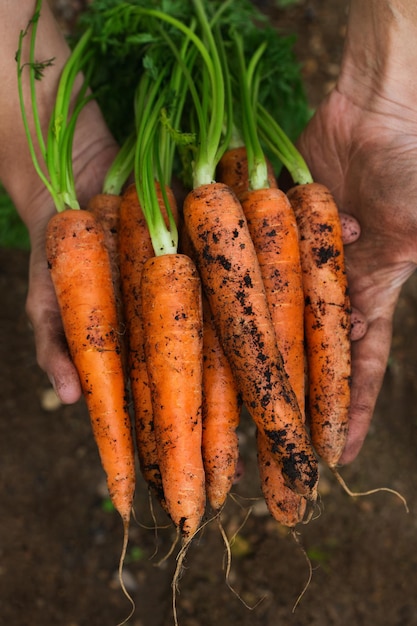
[280, 144]
[56, 151]
[32, 74]
[121, 167]
[257, 166]
[152, 98]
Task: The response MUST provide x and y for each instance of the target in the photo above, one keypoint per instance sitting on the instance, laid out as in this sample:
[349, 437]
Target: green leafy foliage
[121, 47]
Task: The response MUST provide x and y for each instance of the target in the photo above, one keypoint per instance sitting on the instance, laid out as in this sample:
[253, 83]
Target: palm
[368, 164]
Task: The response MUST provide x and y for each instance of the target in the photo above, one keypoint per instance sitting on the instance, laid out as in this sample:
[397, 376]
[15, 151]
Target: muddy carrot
[173, 331]
[80, 270]
[221, 416]
[172, 318]
[273, 229]
[81, 274]
[135, 248]
[327, 304]
[327, 318]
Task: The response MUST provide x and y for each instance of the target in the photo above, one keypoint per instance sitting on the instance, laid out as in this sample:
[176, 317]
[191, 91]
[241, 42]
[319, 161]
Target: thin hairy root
[121, 562]
[228, 566]
[155, 526]
[355, 494]
[180, 562]
[238, 499]
[309, 513]
[310, 568]
[171, 550]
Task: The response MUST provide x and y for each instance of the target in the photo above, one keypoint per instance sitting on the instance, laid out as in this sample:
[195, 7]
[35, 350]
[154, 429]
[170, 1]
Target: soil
[60, 542]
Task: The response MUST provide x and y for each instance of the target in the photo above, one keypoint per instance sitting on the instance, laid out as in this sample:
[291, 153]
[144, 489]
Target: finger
[351, 229]
[53, 357]
[51, 348]
[369, 361]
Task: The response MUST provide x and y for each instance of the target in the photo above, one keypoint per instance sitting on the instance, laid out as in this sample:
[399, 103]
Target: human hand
[366, 156]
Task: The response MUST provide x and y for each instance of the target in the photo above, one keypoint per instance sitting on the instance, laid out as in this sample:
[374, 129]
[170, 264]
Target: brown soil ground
[59, 543]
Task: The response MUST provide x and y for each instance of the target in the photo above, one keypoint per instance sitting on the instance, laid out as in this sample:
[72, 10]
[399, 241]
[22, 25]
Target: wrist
[380, 56]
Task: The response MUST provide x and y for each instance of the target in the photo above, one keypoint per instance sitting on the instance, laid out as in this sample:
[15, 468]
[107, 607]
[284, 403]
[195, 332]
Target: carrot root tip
[121, 563]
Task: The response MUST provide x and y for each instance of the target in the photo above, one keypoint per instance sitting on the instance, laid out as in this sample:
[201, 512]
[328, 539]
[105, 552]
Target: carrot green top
[56, 150]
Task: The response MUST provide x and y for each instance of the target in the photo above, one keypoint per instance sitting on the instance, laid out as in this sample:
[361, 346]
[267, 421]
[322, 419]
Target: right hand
[367, 157]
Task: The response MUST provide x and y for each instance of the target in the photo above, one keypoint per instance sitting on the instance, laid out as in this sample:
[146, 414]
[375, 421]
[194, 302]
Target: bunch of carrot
[238, 297]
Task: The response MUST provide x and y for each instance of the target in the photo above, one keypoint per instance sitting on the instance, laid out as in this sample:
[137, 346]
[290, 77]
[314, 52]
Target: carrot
[233, 283]
[327, 318]
[80, 270]
[232, 170]
[221, 416]
[172, 325]
[273, 229]
[328, 314]
[135, 248]
[221, 408]
[327, 304]
[172, 318]
[81, 274]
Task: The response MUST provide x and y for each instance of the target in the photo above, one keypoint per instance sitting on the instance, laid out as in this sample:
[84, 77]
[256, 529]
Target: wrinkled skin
[367, 157]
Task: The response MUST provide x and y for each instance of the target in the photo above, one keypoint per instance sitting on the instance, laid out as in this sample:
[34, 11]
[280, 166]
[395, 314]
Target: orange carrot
[81, 274]
[232, 170]
[221, 407]
[327, 318]
[221, 416]
[172, 322]
[135, 248]
[233, 283]
[273, 229]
